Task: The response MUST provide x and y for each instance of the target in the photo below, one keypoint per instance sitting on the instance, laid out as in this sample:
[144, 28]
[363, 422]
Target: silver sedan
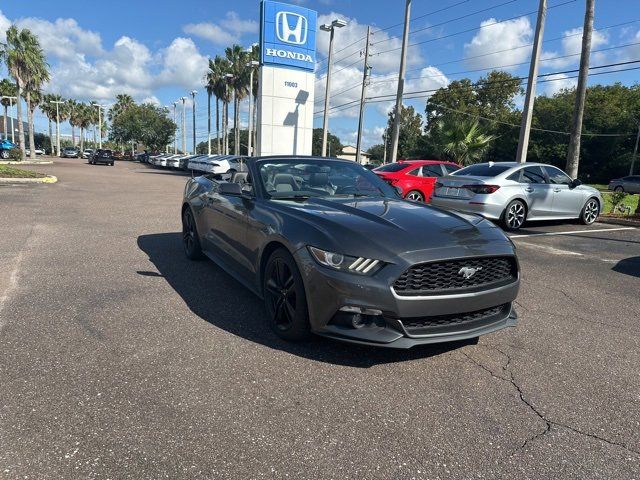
[513, 193]
[630, 184]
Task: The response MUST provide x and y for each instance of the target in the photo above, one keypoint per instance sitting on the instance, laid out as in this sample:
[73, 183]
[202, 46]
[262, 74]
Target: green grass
[600, 186]
[629, 200]
[10, 172]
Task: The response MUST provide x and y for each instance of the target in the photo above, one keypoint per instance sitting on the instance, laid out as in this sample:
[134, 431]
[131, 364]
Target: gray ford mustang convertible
[333, 250]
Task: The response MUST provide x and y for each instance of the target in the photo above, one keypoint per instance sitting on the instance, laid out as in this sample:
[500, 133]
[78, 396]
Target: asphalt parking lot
[121, 359]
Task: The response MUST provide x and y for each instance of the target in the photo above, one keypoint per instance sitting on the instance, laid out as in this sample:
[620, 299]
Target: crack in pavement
[548, 423]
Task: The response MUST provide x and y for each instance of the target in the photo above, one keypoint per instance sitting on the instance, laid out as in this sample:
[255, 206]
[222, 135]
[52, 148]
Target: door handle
[557, 190]
[529, 189]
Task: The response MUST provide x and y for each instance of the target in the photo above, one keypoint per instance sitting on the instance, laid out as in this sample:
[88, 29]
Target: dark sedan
[333, 250]
[102, 156]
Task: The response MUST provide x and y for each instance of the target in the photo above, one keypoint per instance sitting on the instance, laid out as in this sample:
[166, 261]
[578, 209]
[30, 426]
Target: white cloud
[183, 64]
[557, 83]
[571, 48]
[82, 68]
[505, 37]
[227, 31]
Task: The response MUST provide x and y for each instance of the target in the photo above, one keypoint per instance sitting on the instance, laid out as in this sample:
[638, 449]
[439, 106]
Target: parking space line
[552, 250]
[549, 234]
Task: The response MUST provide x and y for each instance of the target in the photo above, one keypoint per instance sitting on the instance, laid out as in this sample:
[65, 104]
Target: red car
[415, 177]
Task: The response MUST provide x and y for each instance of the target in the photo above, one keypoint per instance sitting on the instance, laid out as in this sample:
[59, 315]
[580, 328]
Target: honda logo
[291, 28]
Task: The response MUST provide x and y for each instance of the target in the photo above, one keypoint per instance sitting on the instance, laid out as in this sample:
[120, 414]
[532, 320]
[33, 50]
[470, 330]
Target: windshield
[300, 179]
[392, 167]
[483, 170]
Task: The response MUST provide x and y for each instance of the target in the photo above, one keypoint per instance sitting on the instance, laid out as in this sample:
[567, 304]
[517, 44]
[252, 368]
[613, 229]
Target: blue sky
[158, 51]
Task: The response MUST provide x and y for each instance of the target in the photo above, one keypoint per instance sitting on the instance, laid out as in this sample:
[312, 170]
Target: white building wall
[285, 111]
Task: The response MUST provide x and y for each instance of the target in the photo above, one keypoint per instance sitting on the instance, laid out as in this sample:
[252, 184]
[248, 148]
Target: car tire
[284, 298]
[590, 212]
[619, 189]
[190, 237]
[4, 154]
[112, 164]
[514, 215]
[414, 196]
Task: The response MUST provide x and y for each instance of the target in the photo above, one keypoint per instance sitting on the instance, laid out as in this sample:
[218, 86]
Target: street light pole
[331, 28]
[99, 107]
[395, 133]
[252, 64]
[527, 112]
[184, 125]
[363, 93]
[175, 136]
[193, 96]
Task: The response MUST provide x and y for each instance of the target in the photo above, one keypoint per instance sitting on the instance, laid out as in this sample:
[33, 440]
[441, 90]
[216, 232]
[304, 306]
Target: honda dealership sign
[288, 57]
[288, 35]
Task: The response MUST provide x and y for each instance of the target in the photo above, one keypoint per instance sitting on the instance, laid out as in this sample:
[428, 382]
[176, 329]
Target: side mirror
[231, 189]
[575, 183]
[399, 191]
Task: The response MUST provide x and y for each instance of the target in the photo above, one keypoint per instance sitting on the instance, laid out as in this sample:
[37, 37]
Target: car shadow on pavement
[219, 299]
[628, 266]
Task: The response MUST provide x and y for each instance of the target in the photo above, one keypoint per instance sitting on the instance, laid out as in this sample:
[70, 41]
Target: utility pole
[363, 93]
[252, 64]
[193, 95]
[527, 111]
[635, 152]
[184, 124]
[57, 102]
[573, 153]
[175, 136]
[331, 28]
[395, 134]
[384, 153]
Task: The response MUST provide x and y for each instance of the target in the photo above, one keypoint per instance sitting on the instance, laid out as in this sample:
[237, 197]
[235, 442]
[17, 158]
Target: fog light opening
[359, 317]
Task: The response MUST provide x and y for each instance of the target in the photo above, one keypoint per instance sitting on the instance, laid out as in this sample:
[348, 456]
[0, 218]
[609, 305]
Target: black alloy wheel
[285, 298]
[190, 239]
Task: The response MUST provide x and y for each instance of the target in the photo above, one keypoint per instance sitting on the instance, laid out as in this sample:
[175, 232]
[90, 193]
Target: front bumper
[328, 291]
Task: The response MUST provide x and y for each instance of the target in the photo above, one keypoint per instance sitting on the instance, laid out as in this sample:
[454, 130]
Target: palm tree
[461, 141]
[84, 119]
[237, 56]
[33, 98]
[255, 56]
[49, 109]
[123, 101]
[71, 107]
[25, 61]
[7, 89]
[217, 85]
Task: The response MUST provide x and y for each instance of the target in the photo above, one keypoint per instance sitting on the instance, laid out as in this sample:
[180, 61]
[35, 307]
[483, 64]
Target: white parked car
[38, 151]
[217, 164]
[87, 153]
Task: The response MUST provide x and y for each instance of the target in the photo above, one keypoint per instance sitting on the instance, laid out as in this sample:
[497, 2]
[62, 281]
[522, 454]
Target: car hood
[386, 227]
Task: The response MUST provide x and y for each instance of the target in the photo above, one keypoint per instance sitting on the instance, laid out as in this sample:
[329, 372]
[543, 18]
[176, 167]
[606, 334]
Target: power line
[454, 19]
[419, 93]
[473, 29]
[421, 16]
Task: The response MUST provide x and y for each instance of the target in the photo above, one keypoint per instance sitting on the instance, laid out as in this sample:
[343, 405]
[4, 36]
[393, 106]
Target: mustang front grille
[456, 276]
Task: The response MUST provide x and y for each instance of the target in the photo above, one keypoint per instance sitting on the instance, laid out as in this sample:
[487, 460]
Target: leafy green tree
[461, 141]
[7, 89]
[409, 140]
[26, 64]
[376, 152]
[334, 147]
[609, 110]
[146, 123]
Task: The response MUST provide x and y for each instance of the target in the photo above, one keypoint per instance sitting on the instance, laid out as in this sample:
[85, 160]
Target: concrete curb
[629, 222]
[47, 179]
[26, 162]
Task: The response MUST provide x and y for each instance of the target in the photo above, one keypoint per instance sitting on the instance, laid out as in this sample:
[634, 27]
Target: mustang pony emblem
[468, 272]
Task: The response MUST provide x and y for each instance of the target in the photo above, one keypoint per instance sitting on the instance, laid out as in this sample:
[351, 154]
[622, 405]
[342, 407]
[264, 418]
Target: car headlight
[345, 263]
